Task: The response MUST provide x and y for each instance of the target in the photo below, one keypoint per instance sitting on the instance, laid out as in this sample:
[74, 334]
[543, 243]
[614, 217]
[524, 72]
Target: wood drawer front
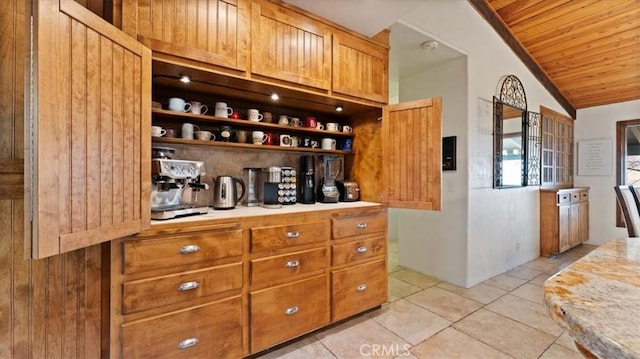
[170, 252]
[564, 197]
[579, 196]
[358, 288]
[287, 311]
[360, 225]
[277, 268]
[357, 250]
[278, 237]
[180, 288]
[217, 327]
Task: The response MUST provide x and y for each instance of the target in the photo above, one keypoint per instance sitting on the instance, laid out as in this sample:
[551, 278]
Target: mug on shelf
[347, 144]
[271, 138]
[285, 140]
[178, 104]
[188, 129]
[258, 137]
[283, 120]
[310, 122]
[242, 136]
[198, 108]
[267, 116]
[333, 127]
[295, 122]
[328, 144]
[171, 133]
[226, 133]
[157, 131]
[319, 126]
[254, 115]
[222, 110]
[205, 136]
[347, 129]
[295, 141]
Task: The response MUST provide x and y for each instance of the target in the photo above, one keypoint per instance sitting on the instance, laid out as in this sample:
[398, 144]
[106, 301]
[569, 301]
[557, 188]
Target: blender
[330, 169]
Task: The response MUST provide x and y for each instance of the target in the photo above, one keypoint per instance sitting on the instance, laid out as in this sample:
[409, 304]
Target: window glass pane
[632, 168]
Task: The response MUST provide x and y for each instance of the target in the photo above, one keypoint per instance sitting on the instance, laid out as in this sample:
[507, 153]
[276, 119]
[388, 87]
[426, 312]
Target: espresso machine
[330, 168]
[176, 187]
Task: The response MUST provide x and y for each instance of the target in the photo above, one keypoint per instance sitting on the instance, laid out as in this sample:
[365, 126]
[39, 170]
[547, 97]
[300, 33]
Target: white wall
[600, 123]
[501, 225]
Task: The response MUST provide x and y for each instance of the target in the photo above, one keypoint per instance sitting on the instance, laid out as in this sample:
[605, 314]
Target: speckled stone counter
[597, 299]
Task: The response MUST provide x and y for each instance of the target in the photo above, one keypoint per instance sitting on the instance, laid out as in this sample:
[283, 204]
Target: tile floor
[503, 317]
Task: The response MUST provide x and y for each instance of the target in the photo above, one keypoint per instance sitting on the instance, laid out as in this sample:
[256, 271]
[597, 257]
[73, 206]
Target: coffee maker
[271, 187]
[175, 188]
[330, 169]
[307, 179]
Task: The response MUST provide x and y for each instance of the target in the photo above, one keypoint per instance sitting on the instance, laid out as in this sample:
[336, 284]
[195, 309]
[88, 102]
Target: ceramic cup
[226, 133]
[328, 144]
[198, 108]
[188, 129]
[295, 122]
[347, 129]
[310, 122]
[285, 141]
[267, 116]
[258, 137]
[242, 136]
[222, 110]
[178, 104]
[347, 144]
[333, 127]
[319, 126]
[171, 133]
[205, 136]
[283, 120]
[295, 141]
[157, 131]
[254, 115]
[271, 138]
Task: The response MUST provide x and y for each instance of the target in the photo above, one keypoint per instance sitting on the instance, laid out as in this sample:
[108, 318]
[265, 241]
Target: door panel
[91, 119]
[412, 154]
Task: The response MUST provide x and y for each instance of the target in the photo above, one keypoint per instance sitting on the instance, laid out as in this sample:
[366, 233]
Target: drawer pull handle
[362, 249]
[362, 225]
[188, 343]
[189, 249]
[361, 288]
[293, 234]
[292, 264]
[188, 286]
[291, 311]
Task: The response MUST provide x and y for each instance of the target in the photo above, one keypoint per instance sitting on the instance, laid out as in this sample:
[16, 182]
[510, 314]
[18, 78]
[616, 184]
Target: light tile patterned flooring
[502, 317]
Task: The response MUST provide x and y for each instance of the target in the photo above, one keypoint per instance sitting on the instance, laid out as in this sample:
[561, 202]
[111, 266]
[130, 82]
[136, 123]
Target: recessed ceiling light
[275, 96]
[339, 108]
[428, 46]
[185, 79]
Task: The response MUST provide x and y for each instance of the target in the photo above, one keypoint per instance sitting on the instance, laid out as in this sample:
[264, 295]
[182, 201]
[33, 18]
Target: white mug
[328, 144]
[178, 104]
[198, 108]
[285, 141]
[333, 126]
[157, 131]
[258, 137]
[254, 115]
[205, 136]
[222, 110]
[188, 129]
[347, 129]
[319, 126]
[283, 120]
[295, 122]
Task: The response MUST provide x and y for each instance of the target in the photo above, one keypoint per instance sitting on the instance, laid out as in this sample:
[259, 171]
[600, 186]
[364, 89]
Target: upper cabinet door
[360, 68]
[412, 154]
[215, 32]
[289, 46]
[89, 159]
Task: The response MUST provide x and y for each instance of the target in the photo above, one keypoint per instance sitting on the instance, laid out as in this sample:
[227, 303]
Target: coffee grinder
[330, 169]
[307, 179]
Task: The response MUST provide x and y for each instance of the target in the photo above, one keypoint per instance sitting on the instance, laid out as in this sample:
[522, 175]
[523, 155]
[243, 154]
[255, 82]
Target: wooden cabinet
[564, 219]
[178, 293]
[209, 32]
[358, 288]
[557, 148]
[90, 123]
[360, 68]
[289, 46]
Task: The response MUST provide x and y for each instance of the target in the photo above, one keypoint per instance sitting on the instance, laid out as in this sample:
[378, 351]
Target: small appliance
[349, 191]
[330, 169]
[250, 176]
[225, 192]
[271, 187]
[307, 179]
[175, 189]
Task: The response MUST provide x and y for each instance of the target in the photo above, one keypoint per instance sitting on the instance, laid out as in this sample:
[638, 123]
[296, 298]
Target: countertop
[241, 211]
[597, 299]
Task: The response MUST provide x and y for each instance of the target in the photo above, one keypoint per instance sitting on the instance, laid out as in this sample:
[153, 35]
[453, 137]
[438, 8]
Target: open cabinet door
[412, 154]
[89, 132]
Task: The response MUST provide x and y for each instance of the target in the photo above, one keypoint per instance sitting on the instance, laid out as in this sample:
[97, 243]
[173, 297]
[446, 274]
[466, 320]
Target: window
[627, 157]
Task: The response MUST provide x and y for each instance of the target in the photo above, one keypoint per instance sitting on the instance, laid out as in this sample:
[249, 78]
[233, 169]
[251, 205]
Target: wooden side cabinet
[564, 219]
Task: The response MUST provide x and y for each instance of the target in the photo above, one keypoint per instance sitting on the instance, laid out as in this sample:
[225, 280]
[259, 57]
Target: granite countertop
[597, 299]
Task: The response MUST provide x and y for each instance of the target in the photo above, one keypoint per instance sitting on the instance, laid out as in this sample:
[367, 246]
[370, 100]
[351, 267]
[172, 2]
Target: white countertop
[241, 211]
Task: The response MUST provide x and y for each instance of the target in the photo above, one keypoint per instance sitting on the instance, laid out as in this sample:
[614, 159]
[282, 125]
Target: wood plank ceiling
[588, 49]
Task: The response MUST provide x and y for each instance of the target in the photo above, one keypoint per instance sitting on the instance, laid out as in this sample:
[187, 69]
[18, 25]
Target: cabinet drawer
[278, 237]
[152, 254]
[583, 196]
[358, 288]
[357, 250]
[564, 197]
[180, 288]
[273, 269]
[287, 311]
[209, 331]
[360, 225]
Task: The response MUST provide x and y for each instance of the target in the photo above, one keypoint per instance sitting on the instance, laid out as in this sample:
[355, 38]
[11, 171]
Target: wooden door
[564, 228]
[412, 154]
[289, 46]
[574, 225]
[360, 68]
[90, 158]
[557, 148]
[215, 32]
[583, 222]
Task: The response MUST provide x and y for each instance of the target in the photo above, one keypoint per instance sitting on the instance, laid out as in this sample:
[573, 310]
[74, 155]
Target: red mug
[270, 138]
[235, 114]
[310, 122]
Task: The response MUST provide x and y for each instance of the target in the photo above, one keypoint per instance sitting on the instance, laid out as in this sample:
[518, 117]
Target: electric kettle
[225, 193]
